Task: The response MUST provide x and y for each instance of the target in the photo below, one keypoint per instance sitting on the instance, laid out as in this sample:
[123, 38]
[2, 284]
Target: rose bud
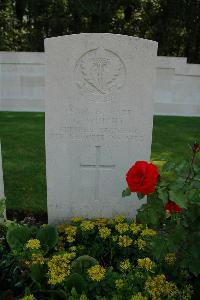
[172, 207]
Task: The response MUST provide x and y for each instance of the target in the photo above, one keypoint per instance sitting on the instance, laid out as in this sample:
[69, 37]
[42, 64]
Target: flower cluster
[104, 232]
[125, 241]
[36, 258]
[122, 227]
[29, 297]
[135, 228]
[145, 263]
[170, 258]
[158, 286]
[96, 273]
[87, 225]
[119, 283]
[140, 243]
[33, 244]
[138, 296]
[125, 265]
[59, 268]
[148, 232]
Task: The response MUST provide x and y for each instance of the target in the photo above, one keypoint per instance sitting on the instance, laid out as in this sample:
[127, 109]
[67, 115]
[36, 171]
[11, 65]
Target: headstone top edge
[95, 35]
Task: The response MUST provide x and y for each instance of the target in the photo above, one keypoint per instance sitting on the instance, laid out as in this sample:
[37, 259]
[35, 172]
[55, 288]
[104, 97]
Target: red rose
[173, 207]
[142, 177]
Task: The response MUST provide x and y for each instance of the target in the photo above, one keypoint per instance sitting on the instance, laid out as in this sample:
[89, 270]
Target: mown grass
[22, 137]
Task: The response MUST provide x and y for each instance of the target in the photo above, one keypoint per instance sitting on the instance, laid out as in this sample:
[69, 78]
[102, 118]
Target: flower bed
[155, 256]
[89, 259]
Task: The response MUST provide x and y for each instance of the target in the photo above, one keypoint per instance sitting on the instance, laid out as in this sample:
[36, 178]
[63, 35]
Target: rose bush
[173, 207]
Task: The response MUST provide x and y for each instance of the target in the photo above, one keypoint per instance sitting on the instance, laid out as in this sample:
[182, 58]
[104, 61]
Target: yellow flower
[140, 244]
[100, 221]
[87, 225]
[96, 273]
[124, 241]
[119, 219]
[61, 227]
[72, 249]
[59, 268]
[29, 297]
[33, 244]
[114, 238]
[125, 265]
[187, 293]
[70, 239]
[43, 225]
[135, 228]
[145, 263]
[70, 230]
[104, 232]
[35, 259]
[122, 227]
[170, 258]
[138, 296]
[83, 297]
[119, 283]
[148, 232]
[76, 219]
[158, 286]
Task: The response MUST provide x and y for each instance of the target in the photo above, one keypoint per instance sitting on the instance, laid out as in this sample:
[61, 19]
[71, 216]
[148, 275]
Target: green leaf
[163, 195]
[82, 263]
[17, 236]
[2, 207]
[126, 192]
[76, 281]
[48, 236]
[179, 198]
[140, 196]
[194, 196]
[37, 273]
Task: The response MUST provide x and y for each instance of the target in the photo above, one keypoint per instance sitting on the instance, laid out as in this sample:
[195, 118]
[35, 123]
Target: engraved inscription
[100, 71]
[81, 125]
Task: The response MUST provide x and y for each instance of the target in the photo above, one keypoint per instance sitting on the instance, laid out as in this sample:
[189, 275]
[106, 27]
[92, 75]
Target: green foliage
[37, 273]
[17, 236]
[174, 24]
[76, 281]
[48, 236]
[126, 192]
[2, 208]
[63, 273]
[82, 263]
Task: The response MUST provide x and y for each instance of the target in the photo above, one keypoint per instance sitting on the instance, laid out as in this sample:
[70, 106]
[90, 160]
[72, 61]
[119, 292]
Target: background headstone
[99, 118]
[2, 196]
[1, 176]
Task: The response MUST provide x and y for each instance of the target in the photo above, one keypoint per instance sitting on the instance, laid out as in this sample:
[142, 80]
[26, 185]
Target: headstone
[99, 117]
[1, 176]
[2, 196]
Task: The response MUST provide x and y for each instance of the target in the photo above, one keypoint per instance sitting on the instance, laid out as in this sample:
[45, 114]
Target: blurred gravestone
[1, 186]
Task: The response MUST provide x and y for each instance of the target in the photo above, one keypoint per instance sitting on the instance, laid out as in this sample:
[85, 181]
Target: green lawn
[22, 137]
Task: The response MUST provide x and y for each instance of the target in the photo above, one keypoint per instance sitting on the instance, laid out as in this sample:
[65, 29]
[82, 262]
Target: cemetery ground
[23, 150]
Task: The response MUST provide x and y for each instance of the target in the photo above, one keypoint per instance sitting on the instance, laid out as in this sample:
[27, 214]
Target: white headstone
[2, 196]
[1, 177]
[99, 117]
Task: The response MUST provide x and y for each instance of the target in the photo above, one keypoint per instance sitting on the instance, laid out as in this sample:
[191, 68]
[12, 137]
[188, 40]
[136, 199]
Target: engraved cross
[97, 166]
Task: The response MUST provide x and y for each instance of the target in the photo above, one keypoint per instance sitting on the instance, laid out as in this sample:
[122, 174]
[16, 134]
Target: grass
[22, 137]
